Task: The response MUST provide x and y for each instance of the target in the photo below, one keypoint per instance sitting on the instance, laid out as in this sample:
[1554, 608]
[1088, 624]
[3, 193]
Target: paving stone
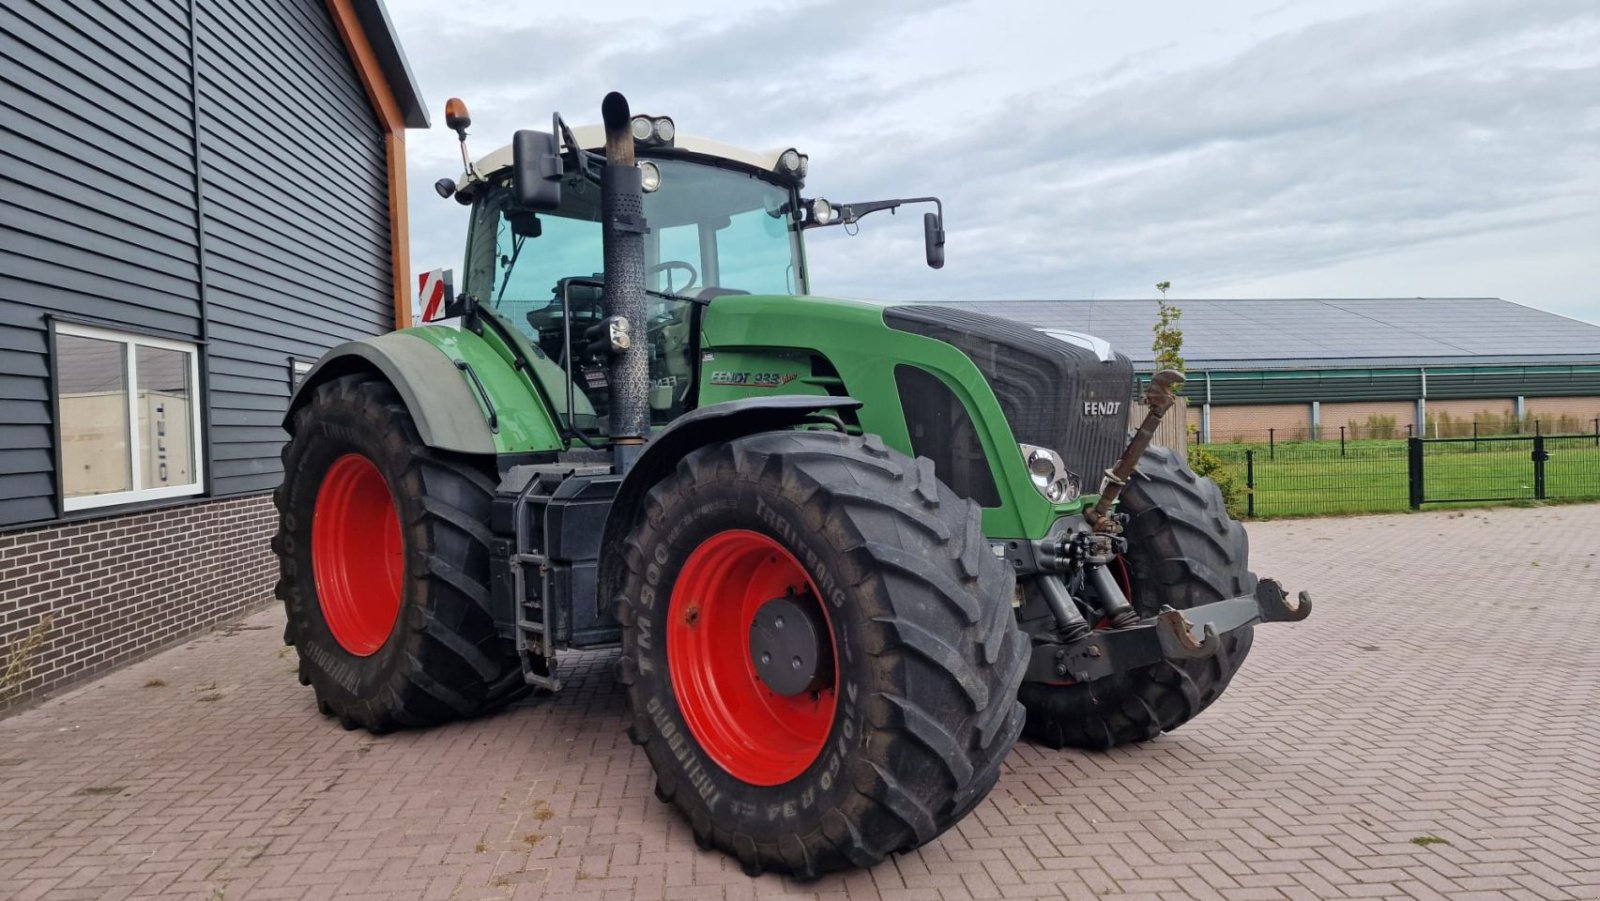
[1444, 687]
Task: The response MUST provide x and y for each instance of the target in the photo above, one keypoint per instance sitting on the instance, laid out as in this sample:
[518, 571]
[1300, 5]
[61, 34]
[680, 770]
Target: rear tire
[1183, 550]
[923, 706]
[415, 645]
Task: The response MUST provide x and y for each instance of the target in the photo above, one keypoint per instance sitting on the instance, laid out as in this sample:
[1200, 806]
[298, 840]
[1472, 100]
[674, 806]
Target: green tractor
[849, 550]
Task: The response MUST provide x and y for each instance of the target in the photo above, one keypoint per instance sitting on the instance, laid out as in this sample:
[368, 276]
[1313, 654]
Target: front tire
[904, 733]
[383, 556]
[1183, 551]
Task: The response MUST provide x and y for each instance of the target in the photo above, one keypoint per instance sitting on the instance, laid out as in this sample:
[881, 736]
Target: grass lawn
[1311, 478]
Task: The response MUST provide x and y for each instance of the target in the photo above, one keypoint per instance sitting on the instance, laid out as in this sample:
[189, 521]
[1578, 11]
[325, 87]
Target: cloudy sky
[1250, 148]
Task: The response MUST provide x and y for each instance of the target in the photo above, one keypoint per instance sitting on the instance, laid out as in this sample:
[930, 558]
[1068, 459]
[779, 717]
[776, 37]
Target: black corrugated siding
[1542, 381]
[99, 214]
[1274, 388]
[97, 203]
[296, 208]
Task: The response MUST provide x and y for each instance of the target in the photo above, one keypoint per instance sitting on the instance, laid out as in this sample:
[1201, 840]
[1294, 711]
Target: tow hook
[1177, 636]
[1275, 605]
[1272, 605]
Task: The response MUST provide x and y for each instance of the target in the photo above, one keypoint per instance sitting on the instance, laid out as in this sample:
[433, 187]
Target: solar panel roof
[1324, 333]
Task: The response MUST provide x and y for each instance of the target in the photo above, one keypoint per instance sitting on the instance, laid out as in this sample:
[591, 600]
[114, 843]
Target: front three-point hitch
[1075, 576]
[1171, 634]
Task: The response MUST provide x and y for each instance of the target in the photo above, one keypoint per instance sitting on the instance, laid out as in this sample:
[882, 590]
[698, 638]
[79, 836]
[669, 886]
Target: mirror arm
[582, 160]
[850, 213]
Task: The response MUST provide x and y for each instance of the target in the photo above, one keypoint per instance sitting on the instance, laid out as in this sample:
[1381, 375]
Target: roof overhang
[379, 30]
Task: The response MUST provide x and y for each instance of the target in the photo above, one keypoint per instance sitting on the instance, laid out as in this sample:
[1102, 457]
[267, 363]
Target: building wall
[212, 175]
[1447, 418]
[1466, 409]
[79, 598]
[156, 169]
[1291, 422]
[1357, 418]
[98, 205]
[290, 271]
[1562, 413]
[1455, 418]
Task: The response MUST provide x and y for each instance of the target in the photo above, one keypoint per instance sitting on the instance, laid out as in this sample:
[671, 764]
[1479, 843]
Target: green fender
[451, 410]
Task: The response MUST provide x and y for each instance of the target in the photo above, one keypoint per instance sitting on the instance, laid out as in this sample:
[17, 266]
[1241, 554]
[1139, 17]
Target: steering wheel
[675, 264]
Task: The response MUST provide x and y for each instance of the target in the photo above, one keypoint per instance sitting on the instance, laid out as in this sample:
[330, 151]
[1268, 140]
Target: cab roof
[593, 137]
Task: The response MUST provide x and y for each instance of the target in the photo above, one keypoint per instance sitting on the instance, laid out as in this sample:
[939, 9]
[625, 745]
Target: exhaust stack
[622, 230]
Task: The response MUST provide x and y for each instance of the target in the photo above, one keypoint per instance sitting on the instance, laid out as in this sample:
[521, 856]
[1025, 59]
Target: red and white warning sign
[434, 291]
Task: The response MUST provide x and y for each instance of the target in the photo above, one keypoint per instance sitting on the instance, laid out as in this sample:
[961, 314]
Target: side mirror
[535, 171]
[933, 239]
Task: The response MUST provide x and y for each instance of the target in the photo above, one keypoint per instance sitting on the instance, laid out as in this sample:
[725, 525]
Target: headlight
[649, 176]
[1049, 474]
[789, 161]
[821, 211]
[653, 131]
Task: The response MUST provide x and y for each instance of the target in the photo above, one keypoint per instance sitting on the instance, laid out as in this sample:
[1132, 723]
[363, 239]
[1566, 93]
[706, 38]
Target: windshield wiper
[511, 264]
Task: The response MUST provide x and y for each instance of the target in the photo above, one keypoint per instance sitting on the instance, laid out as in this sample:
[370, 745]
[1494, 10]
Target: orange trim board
[387, 110]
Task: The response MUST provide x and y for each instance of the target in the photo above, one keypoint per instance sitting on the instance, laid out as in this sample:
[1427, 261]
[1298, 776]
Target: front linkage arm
[1171, 634]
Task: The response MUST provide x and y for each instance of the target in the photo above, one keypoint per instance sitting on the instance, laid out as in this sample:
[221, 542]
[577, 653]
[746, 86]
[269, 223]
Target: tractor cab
[721, 220]
[718, 220]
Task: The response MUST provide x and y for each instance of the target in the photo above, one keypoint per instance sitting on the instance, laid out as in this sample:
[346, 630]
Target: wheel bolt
[777, 623]
[766, 658]
[796, 663]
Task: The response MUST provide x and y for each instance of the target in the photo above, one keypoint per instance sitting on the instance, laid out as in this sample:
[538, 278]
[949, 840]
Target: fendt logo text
[1101, 407]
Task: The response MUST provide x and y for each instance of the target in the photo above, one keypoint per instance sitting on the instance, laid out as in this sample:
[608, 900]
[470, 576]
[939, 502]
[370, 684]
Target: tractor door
[542, 275]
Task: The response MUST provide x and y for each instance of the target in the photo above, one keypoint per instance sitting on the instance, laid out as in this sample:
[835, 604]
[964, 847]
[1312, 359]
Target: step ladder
[535, 636]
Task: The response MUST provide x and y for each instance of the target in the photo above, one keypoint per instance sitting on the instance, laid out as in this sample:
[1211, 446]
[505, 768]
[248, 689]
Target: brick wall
[1355, 417]
[1292, 422]
[80, 598]
[1454, 418]
[1562, 413]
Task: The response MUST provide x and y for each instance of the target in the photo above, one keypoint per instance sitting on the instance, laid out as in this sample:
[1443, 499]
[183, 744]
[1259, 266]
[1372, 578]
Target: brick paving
[1439, 692]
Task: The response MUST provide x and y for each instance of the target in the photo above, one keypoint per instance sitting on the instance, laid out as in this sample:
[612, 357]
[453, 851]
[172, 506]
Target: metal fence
[1441, 426]
[1497, 470]
[1321, 478]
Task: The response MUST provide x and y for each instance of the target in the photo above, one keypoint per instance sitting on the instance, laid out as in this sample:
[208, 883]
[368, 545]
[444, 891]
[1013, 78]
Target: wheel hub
[789, 646]
[761, 730]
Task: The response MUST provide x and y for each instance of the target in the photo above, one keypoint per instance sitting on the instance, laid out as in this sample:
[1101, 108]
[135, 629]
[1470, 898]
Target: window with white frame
[128, 417]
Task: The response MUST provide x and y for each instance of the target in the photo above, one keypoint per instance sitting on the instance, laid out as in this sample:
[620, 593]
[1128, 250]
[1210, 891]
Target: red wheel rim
[357, 555]
[756, 735]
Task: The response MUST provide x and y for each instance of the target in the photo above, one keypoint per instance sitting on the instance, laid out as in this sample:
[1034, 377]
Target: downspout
[1422, 406]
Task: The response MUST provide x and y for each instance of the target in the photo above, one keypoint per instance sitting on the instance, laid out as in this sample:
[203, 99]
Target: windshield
[712, 231]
